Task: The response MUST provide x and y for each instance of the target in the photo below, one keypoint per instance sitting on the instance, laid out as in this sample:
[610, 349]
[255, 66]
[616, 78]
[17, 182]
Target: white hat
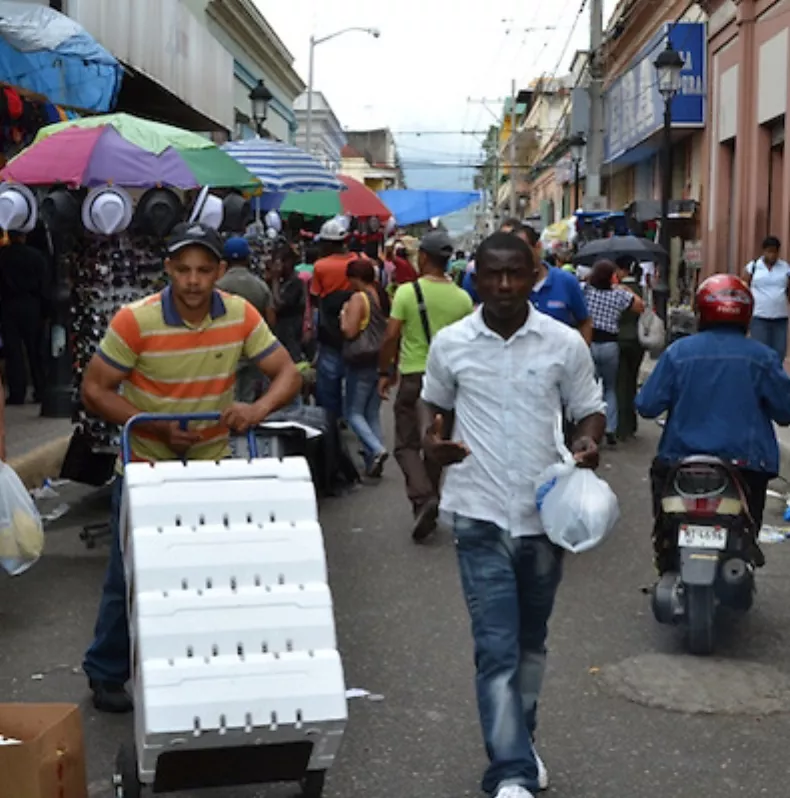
[18, 208]
[107, 210]
[209, 210]
[333, 230]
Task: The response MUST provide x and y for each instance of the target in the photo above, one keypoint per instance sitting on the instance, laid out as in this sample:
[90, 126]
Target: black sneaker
[377, 467]
[425, 520]
[111, 697]
[611, 439]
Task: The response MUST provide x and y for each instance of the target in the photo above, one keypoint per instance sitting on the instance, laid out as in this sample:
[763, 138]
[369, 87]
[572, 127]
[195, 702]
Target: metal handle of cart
[183, 419]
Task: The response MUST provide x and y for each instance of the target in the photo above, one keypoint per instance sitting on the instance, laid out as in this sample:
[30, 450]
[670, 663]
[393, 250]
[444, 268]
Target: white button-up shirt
[507, 396]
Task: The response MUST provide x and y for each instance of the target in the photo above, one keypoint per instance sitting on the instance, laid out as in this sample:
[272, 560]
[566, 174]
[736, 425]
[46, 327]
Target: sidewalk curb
[43, 462]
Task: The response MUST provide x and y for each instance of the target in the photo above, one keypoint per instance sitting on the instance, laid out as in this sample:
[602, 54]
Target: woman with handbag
[363, 322]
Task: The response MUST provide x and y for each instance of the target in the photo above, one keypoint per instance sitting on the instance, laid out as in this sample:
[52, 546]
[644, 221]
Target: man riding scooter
[721, 391]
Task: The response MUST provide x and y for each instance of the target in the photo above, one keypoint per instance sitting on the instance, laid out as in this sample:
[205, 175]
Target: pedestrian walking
[363, 322]
[2, 421]
[632, 353]
[25, 289]
[174, 352]
[607, 303]
[505, 374]
[288, 294]
[331, 290]
[419, 310]
[240, 281]
[769, 279]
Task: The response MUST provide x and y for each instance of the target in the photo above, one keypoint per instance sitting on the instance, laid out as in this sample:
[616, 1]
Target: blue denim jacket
[722, 390]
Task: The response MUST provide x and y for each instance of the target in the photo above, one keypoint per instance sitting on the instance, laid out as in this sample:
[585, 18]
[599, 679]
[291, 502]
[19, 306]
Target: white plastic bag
[577, 508]
[21, 530]
[651, 330]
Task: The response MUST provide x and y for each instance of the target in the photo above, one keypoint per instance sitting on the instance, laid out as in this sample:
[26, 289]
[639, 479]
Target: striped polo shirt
[175, 367]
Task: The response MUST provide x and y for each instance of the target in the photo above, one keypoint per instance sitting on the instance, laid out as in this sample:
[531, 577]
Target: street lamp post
[314, 42]
[578, 144]
[669, 65]
[260, 97]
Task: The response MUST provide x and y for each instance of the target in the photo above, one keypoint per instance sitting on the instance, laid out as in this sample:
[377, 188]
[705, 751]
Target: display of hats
[208, 210]
[159, 210]
[237, 213]
[107, 210]
[18, 208]
[60, 210]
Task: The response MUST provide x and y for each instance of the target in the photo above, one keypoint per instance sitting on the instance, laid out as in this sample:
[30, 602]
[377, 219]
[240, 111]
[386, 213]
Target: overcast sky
[432, 55]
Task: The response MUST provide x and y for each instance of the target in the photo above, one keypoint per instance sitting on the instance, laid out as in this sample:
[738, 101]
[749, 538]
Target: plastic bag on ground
[577, 508]
[21, 530]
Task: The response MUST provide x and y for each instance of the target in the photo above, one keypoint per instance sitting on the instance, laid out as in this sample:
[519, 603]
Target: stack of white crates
[231, 621]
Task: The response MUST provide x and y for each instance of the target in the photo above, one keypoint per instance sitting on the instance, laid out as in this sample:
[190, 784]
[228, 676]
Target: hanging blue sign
[634, 107]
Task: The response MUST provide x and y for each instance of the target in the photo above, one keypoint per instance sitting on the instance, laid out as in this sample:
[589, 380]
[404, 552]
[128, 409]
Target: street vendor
[176, 351]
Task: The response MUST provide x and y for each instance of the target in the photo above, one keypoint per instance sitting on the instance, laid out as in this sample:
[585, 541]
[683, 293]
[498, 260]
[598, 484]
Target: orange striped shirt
[174, 367]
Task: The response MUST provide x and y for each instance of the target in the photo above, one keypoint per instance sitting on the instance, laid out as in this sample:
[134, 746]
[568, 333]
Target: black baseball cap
[438, 244]
[194, 234]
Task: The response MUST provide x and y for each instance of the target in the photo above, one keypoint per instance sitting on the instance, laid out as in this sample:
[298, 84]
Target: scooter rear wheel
[700, 617]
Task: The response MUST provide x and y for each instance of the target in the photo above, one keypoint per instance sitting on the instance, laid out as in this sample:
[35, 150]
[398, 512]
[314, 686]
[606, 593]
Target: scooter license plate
[692, 536]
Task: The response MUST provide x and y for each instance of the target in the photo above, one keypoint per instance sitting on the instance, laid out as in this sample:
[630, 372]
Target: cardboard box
[50, 762]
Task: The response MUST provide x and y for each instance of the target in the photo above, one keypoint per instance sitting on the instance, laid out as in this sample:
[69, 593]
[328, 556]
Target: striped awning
[281, 167]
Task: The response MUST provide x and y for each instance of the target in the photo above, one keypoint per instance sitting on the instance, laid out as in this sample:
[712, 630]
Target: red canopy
[360, 201]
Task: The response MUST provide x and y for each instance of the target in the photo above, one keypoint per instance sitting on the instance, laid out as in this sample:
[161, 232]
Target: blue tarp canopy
[45, 52]
[412, 206]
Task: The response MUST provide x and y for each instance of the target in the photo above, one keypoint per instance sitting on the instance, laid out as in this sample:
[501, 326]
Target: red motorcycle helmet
[724, 299]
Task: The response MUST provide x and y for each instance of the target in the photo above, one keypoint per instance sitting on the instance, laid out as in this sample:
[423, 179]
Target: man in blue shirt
[722, 392]
[556, 293]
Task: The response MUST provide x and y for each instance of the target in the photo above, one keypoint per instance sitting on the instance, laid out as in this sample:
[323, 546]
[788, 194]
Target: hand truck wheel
[125, 780]
[313, 784]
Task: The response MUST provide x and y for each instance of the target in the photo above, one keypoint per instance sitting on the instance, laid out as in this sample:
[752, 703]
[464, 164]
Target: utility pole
[512, 143]
[595, 134]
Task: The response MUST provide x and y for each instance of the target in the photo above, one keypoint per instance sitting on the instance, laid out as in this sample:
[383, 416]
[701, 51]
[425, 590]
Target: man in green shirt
[419, 311]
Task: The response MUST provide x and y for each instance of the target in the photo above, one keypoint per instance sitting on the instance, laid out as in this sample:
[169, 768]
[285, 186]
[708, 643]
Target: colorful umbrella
[357, 200]
[133, 154]
[281, 167]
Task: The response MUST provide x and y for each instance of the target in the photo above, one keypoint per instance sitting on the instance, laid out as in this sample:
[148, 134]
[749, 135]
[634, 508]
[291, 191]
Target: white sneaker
[543, 774]
[513, 791]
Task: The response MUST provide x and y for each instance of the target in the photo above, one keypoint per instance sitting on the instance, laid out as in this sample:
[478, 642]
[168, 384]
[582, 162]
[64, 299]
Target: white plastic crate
[246, 621]
[231, 621]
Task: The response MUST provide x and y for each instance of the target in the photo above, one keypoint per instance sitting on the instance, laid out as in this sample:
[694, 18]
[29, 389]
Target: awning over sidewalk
[412, 206]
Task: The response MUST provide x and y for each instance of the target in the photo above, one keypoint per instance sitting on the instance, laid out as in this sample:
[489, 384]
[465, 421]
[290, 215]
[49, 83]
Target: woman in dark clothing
[632, 353]
[289, 302]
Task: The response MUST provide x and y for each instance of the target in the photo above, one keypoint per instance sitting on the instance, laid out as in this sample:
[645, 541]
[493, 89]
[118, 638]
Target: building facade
[748, 175]
[328, 137]
[371, 156]
[193, 63]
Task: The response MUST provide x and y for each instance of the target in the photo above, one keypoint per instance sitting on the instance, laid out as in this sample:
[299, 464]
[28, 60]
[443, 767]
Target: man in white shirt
[504, 375]
[769, 279]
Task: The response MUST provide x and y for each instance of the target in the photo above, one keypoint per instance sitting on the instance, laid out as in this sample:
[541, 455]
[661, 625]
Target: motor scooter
[707, 538]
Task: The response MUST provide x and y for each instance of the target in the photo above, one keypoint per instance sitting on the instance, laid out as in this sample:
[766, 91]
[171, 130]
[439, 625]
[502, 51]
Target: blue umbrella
[281, 167]
[411, 206]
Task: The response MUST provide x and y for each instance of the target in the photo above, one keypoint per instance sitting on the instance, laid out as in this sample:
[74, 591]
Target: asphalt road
[615, 717]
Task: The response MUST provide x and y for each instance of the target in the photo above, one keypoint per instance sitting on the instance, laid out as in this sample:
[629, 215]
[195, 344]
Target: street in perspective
[394, 404]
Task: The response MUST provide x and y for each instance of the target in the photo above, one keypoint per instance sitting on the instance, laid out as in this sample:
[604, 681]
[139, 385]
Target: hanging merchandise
[237, 213]
[158, 211]
[18, 208]
[107, 210]
[273, 221]
[60, 211]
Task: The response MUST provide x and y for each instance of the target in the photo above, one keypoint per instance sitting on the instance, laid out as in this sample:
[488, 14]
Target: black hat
[159, 210]
[195, 234]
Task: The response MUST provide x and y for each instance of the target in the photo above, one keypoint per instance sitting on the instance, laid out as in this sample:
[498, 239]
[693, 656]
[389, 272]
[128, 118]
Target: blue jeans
[606, 356]
[772, 333]
[363, 406]
[509, 585]
[107, 659]
[329, 376]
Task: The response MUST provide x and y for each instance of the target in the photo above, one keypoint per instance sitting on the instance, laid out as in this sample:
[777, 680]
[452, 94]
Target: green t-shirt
[445, 304]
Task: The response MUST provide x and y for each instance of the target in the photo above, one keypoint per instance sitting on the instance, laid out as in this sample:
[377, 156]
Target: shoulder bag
[423, 310]
[363, 350]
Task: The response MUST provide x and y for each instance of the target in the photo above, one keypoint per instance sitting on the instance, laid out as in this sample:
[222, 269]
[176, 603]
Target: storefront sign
[692, 254]
[635, 107]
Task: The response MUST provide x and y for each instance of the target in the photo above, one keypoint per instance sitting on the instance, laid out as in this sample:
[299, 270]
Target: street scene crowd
[538, 460]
